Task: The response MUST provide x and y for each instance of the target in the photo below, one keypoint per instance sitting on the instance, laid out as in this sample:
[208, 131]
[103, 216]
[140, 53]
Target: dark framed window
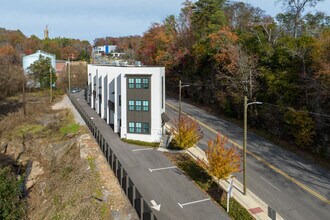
[131, 127]
[138, 105]
[131, 105]
[138, 127]
[145, 106]
[162, 92]
[119, 100]
[145, 128]
[131, 83]
[138, 83]
[145, 83]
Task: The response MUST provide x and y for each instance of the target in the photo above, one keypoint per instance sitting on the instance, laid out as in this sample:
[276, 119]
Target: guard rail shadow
[140, 205]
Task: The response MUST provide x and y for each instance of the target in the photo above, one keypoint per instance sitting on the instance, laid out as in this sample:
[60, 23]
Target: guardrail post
[131, 192]
[124, 182]
[119, 172]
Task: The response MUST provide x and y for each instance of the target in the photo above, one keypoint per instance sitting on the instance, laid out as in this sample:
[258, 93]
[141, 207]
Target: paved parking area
[156, 178]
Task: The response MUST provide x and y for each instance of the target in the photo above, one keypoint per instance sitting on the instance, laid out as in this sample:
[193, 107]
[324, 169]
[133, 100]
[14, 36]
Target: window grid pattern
[138, 83]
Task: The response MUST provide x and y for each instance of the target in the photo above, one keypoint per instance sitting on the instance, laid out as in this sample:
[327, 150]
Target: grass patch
[141, 143]
[205, 182]
[71, 128]
[66, 171]
[28, 129]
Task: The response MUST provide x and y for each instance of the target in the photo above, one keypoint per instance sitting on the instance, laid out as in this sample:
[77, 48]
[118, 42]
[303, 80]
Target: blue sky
[88, 19]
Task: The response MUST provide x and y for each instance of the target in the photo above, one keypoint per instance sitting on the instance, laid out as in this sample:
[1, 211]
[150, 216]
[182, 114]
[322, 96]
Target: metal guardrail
[140, 205]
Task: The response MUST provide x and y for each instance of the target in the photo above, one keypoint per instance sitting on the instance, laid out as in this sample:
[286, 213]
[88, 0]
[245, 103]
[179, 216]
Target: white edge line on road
[189, 203]
[144, 149]
[163, 168]
[269, 183]
[311, 191]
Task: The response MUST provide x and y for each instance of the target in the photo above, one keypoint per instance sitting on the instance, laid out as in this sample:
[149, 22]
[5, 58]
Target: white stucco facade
[108, 86]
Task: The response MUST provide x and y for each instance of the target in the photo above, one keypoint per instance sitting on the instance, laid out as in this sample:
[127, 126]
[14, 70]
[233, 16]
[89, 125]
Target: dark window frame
[131, 107]
[145, 83]
[145, 125]
[131, 84]
[138, 129]
[129, 127]
[145, 107]
[138, 85]
[138, 107]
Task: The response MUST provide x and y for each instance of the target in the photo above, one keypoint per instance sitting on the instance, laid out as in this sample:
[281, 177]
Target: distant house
[105, 49]
[29, 59]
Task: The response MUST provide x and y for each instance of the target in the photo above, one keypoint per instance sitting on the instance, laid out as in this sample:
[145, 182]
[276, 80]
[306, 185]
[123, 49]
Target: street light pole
[180, 88]
[246, 104]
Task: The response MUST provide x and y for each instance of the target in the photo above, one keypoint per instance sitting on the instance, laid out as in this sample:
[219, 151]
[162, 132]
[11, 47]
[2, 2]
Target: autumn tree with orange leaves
[222, 161]
[187, 132]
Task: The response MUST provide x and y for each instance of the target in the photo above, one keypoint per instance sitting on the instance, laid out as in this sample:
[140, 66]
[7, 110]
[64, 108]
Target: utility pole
[246, 104]
[69, 74]
[180, 100]
[24, 106]
[51, 84]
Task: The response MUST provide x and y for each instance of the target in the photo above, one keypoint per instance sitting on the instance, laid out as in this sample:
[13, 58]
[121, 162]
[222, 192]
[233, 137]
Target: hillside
[66, 175]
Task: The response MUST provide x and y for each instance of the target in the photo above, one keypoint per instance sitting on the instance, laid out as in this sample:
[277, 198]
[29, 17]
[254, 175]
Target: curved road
[296, 188]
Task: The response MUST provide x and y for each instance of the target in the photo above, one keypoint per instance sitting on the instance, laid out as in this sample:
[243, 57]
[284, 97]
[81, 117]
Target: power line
[290, 108]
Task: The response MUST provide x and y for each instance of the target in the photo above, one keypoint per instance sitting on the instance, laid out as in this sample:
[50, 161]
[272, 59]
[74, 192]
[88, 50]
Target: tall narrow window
[145, 106]
[138, 127]
[162, 92]
[119, 100]
[145, 128]
[138, 83]
[131, 83]
[138, 105]
[131, 105]
[131, 127]
[145, 83]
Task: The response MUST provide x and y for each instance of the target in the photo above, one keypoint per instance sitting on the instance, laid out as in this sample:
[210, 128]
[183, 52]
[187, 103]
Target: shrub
[11, 205]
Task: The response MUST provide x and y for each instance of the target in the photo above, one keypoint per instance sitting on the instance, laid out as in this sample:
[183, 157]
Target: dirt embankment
[67, 176]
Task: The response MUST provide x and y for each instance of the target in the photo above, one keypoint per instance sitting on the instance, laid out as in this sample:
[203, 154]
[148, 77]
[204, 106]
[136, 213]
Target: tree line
[228, 50]
[14, 45]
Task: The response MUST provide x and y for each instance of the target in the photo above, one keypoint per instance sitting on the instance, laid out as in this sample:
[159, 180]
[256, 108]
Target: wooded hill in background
[226, 50]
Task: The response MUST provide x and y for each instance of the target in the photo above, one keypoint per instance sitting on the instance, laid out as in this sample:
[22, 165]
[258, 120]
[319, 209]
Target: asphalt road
[296, 188]
[163, 183]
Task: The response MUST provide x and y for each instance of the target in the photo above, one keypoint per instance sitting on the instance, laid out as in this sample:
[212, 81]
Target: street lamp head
[254, 103]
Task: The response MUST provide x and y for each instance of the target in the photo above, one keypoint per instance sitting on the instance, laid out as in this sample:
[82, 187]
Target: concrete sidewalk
[250, 201]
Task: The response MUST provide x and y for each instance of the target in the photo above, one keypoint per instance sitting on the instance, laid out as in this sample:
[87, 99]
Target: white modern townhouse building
[129, 98]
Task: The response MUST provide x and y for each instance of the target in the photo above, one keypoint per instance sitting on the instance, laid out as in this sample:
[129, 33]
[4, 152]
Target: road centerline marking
[269, 183]
[311, 191]
[193, 202]
[162, 168]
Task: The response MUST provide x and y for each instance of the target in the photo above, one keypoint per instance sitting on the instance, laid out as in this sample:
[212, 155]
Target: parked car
[75, 90]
